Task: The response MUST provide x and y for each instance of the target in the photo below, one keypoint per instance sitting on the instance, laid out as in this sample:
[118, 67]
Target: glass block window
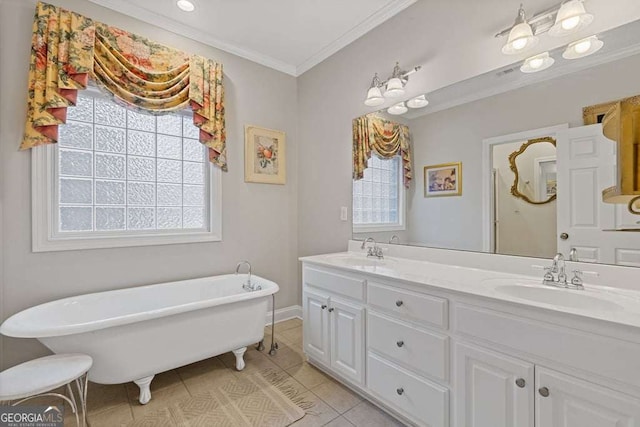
[377, 197]
[121, 171]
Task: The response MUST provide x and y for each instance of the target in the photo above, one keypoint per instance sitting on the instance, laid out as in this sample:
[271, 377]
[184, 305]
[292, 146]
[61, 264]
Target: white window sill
[375, 228]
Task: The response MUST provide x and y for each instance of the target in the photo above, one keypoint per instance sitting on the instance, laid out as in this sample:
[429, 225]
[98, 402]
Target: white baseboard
[286, 313]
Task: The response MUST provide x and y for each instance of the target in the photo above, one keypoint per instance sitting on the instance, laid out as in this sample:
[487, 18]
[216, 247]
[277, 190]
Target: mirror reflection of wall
[456, 133]
[521, 227]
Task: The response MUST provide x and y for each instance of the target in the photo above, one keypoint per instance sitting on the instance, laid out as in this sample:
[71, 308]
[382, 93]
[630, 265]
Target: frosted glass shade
[185, 5]
[397, 109]
[582, 48]
[537, 63]
[520, 39]
[571, 17]
[395, 88]
[374, 97]
[418, 102]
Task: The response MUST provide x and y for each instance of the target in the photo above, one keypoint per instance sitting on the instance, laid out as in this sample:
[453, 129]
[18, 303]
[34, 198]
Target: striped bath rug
[260, 399]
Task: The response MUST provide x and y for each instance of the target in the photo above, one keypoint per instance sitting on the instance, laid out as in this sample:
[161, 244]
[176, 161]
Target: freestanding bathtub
[133, 334]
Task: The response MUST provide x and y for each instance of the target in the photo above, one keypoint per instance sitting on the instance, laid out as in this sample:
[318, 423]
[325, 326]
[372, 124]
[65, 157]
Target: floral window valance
[385, 138]
[68, 49]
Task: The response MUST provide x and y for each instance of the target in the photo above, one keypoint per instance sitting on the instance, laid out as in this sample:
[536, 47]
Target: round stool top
[42, 375]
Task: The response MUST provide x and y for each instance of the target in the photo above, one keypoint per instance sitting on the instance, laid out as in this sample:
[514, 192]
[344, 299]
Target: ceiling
[288, 35]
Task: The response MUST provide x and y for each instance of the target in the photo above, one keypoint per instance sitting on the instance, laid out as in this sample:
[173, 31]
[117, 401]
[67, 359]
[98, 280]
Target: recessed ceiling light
[185, 5]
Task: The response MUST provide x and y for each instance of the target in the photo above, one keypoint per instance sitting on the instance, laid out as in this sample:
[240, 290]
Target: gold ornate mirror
[534, 167]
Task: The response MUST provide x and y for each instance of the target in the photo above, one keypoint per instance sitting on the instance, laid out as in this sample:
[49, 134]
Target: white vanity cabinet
[441, 358]
[333, 322]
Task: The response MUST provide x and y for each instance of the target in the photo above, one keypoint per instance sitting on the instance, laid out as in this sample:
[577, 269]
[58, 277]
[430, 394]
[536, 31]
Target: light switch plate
[343, 213]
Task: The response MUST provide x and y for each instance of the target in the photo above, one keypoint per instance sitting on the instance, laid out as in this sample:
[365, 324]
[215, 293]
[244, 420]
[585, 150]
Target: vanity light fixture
[397, 109]
[584, 47]
[571, 17]
[393, 86]
[520, 36]
[374, 95]
[537, 63]
[418, 102]
[185, 5]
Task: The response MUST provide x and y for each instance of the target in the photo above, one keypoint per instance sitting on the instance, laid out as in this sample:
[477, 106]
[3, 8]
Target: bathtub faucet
[249, 286]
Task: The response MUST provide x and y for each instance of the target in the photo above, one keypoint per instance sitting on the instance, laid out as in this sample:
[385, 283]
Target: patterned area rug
[261, 399]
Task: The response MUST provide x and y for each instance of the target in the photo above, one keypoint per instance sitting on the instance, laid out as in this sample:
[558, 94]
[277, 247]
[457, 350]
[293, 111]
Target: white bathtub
[133, 334]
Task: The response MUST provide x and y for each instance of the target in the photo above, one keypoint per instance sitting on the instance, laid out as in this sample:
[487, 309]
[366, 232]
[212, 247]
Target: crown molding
[151, 17]
[169, 24]
[572, 67]
[355, 33]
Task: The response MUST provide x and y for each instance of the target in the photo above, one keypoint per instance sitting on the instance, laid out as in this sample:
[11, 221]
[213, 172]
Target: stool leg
[82, 384]
[74, 407]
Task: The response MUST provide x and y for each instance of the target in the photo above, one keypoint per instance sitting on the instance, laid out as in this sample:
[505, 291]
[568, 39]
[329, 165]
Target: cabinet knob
[400, 391]
[520, 382]
[323, 306]
[544, 392]
[331, 309]
[400, 343]
[399, 303]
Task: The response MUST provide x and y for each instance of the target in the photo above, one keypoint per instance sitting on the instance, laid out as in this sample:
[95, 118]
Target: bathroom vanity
[438, 344]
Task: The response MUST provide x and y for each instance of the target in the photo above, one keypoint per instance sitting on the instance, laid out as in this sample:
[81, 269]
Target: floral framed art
[264, 155]
[443, 180]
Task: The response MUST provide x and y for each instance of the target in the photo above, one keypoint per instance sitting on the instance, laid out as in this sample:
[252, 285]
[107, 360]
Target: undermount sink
[349, 260]
[532, 290]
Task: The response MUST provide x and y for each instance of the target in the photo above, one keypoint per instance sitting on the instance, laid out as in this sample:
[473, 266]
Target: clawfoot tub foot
[239, 353]
[145, 389]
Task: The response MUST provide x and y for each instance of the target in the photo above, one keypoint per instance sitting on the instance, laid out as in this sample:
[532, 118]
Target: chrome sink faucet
[249, 285]
[556, 275]
[372, 251]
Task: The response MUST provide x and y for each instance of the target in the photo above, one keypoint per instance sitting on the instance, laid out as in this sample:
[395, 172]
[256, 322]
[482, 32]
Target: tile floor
[334, 405]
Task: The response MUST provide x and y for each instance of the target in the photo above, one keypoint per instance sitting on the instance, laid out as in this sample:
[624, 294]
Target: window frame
[45, 234]
[382, 227]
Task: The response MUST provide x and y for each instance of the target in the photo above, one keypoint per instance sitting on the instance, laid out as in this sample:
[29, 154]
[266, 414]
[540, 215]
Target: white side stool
[39, 377]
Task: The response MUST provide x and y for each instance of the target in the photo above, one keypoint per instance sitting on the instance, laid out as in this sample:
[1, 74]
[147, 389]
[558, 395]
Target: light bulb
[536, 63]
[520, 44]
[570, 23]
[583, 46]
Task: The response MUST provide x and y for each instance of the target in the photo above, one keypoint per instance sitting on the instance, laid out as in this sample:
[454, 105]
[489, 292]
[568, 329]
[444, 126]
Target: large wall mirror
[520, 157]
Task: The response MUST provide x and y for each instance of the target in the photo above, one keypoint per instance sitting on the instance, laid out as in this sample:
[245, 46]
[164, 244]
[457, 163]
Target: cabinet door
[347, 339]
[492, 389]
[565, 401]
[316, 325]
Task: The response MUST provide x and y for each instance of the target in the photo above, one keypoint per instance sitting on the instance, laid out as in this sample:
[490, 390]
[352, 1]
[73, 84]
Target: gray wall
[456, 135]
[258, 219]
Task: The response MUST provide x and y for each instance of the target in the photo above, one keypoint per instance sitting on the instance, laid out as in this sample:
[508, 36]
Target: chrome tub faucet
[249, 285]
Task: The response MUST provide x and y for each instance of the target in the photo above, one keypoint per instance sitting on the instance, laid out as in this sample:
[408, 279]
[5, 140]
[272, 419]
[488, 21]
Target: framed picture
[443, 180]
[264, 155]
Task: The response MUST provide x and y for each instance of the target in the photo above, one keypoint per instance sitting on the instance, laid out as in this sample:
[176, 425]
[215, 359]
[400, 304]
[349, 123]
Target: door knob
[399, 303]
[323, 306]
[544, 392]
[400, 343]
[564, 236]
[520, 382]
[400, 391]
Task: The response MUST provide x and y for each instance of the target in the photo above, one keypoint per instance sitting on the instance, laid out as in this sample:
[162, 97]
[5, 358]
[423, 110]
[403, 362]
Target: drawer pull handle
[323, 306]
[520, 382]
[331, 309]
[399, 303]
[544, 392]
[400, 343]
[400, 391]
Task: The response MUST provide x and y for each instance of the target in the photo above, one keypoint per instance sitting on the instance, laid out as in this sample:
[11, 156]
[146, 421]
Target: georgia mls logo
[31, 416]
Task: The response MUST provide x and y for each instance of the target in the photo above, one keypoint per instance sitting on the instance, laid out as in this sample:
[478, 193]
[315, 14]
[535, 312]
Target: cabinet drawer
[421, 400]
[421, 307]
[336, 283]
[419, 350]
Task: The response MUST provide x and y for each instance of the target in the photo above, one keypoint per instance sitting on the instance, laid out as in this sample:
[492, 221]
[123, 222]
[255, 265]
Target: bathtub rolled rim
[12, 327]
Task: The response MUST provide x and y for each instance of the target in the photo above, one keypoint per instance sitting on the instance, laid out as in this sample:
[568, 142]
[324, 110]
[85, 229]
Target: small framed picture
[443, 180]
[264, 155]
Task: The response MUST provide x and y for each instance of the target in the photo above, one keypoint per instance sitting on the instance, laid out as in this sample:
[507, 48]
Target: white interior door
[492, 389]
[564, 401]
[347, 339]
[586, 166]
